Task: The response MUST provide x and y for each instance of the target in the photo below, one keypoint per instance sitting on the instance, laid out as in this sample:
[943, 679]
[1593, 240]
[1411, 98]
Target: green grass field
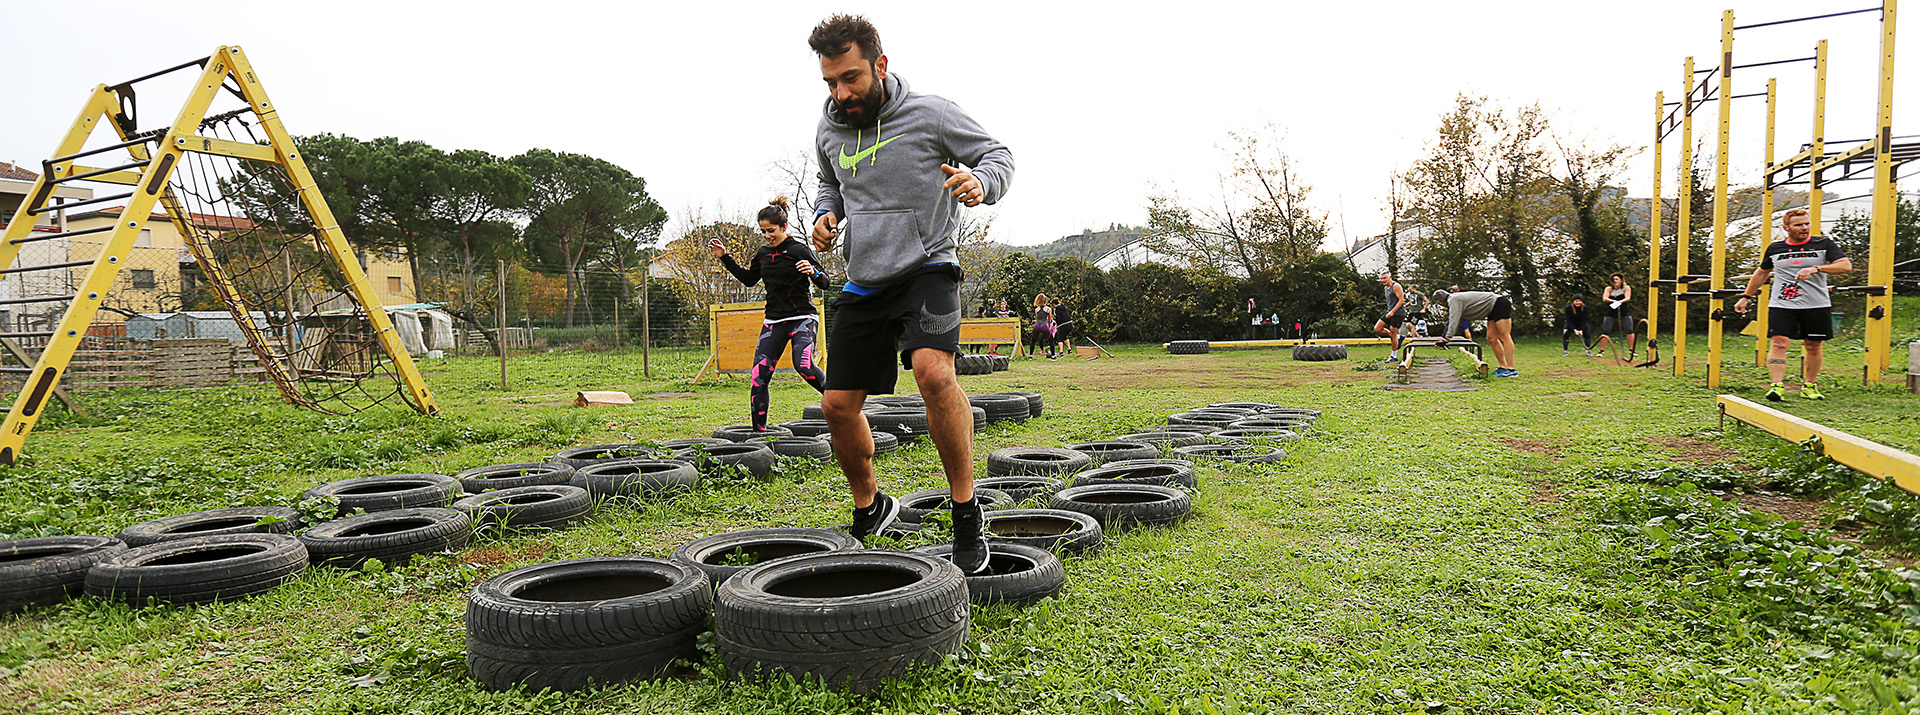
[1567, 541]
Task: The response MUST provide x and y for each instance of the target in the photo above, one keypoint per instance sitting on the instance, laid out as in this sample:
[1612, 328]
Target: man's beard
[869, 107]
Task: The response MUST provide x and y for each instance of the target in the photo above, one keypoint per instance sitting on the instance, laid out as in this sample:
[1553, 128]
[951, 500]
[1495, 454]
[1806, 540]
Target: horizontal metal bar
[47, 334]
[42, 299]
[1749, 94]
[98, 172]
[1774, 62]
[18, 370]
[76, 204]
[202, 62]
[45, 267]
[67, 234]
[90, 152]
[1804, 19]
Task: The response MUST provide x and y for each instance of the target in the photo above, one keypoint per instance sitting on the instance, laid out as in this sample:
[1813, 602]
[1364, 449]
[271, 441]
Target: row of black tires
[1305, 353]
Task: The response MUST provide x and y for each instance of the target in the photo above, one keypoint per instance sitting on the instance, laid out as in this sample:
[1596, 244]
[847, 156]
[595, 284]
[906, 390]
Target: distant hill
[1089, 244]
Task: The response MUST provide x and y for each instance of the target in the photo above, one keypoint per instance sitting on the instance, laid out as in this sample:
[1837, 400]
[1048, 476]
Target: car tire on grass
[238, 520]
[388, 492]
[545, 506]
[1166, 475]
[568, 625]
[742, 433]
[636, 478]
[1189, 347]
[1112, 451]
[45, 570]
[1067, 532]
[578, 457]
[202, 569]
[393, 537]
[796, 447]
[1022, 487]
[1036, 461]
[915, 507]
[1016, 574]
[1234, 452]
[508, 476]
[733, 461]
[1121, 507]
[711, 554]
[855, 619]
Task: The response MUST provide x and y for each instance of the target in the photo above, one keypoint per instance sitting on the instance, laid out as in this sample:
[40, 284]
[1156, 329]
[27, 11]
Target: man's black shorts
[1394, 319]
[1801, 323]
[1502, 309]
[921, 310]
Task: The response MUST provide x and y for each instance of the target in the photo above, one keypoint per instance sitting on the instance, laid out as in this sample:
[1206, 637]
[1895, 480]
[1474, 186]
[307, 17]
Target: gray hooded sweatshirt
[884, 183]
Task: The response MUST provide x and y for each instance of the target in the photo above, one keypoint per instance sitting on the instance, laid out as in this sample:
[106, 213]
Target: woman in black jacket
[788, 266]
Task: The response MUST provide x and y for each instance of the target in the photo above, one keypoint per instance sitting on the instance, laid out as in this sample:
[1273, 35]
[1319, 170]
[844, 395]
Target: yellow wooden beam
[1865, 456]
[223, 147]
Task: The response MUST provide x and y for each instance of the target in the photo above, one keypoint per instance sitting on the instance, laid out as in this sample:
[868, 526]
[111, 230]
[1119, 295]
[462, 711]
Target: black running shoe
[876, 517]
[970, 551]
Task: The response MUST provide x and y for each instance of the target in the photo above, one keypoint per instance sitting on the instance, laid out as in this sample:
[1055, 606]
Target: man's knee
[1781, 342]
[932, 368]
[841, 405]
[1813, 347]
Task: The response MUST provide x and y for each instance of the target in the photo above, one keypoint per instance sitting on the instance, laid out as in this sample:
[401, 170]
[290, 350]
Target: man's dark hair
[835, 35]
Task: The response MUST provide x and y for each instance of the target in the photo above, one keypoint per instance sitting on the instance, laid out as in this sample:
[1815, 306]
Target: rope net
[265, 263]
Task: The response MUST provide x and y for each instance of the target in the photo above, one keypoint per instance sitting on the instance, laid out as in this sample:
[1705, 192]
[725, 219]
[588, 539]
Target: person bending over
[787, 266]
[1388, 326]
[1800, 307]
[1467, 306]
[1573, 321]
[892, 200]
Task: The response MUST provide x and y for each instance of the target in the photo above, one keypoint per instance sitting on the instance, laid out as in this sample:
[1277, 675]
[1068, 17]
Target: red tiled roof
[213, 221]
[16, 172]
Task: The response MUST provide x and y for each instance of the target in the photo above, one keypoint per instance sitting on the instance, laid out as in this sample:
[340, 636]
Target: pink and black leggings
[773, 342]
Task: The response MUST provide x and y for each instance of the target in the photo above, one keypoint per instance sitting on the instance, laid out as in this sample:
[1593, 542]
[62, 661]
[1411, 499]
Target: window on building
[141, 277]
[144, 240]
[394, 285]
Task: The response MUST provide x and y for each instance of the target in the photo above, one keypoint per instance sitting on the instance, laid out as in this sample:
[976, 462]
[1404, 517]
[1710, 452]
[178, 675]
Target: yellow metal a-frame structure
[152, 157]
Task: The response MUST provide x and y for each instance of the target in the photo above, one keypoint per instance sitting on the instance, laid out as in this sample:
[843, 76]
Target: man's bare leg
[852, 441]
[1777, 358]
[949, 419]
[1814, 356]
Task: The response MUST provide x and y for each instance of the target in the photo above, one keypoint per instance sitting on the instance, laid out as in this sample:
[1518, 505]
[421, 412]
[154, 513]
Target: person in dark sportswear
[1800, 307]
[1045, 334]
[1388, 326]
[1573, 321]
[896, 167]
[1467, 306]
[1618, 314]
[787, 266]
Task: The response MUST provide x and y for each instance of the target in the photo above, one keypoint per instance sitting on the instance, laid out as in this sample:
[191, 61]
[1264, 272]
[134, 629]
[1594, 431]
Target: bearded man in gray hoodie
[895, 169]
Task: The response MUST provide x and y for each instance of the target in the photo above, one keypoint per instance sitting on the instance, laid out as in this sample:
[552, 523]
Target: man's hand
[804, 267]
[1805, 273]
[719, 249]
[966, 189]
[1740, 306]
[824, 230]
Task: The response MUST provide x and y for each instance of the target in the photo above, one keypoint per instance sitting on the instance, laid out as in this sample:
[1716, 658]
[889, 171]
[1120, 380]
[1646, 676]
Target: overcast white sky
[1101, 104]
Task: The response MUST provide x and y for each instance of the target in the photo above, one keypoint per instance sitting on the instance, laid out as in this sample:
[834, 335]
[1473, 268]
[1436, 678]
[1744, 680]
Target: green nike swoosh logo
[848, 162]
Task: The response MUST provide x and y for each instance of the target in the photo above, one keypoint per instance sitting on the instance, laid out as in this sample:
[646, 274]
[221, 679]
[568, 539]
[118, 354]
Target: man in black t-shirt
[1799, 307]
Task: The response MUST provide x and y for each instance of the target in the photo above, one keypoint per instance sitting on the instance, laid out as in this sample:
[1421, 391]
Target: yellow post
[1720, 199]
[1879, 334]
[1765, 236]
[1682, 226]
[1819, 149]
[1653, 230]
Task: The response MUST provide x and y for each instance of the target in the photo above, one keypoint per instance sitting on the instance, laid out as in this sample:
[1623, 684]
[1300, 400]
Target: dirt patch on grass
[494, 556]
[1545, 493]
[1534, 446]
[1789, 508]
[1693, 451]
